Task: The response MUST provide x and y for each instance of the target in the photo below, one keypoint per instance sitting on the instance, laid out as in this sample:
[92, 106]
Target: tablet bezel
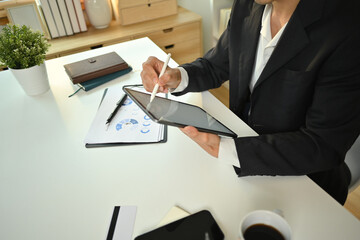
[176, 124]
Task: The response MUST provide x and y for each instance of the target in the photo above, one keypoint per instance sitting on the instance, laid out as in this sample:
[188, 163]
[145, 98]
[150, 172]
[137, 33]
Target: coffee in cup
[264, 225]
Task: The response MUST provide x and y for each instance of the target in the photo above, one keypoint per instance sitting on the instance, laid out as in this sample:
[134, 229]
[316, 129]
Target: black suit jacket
[306, 103]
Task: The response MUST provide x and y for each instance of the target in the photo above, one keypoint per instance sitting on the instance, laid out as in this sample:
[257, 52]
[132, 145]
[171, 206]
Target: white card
[122, 223]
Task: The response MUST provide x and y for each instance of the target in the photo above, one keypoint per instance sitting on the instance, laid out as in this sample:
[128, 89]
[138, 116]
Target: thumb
[190, 131]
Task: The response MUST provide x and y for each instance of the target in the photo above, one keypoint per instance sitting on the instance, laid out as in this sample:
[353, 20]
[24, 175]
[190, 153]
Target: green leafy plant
[21, 47]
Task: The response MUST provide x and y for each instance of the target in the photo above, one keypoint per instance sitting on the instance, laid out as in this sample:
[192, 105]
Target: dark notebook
[93, 83]
[92, 72]
[95, 67]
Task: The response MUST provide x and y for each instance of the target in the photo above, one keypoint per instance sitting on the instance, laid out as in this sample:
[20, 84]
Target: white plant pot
[33, 80]
[99, 12]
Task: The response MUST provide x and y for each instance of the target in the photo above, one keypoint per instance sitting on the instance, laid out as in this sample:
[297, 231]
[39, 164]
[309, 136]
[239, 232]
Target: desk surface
[52, 187]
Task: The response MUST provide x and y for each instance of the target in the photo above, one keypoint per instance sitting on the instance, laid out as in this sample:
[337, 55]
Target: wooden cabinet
[134, 11]
[183, 42]
[178, 34]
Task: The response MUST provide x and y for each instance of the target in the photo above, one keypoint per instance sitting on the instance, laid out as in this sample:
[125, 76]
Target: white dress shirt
[266, 45]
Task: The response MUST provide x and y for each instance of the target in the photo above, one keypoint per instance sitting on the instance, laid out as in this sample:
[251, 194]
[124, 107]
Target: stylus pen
[118, 105]
[156, 87]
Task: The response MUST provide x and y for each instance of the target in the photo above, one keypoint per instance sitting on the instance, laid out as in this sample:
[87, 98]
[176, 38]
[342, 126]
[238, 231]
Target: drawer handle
[168, 30]
[169, 46]
[96, 46]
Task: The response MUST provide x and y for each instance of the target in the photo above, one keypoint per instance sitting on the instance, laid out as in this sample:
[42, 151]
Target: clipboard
[113, 144]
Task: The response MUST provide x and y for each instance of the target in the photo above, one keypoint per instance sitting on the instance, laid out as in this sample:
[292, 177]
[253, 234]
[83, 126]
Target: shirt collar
[266, 28]
[265, 23]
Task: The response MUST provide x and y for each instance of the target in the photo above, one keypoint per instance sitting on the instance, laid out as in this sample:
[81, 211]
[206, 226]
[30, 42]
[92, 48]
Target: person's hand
[150, 75]
[208, 141]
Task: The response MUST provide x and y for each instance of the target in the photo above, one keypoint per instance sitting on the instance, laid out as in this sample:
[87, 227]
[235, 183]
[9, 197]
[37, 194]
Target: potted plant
[23, 51]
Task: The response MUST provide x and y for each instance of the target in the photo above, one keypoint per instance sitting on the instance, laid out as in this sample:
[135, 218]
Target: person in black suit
[294, 72]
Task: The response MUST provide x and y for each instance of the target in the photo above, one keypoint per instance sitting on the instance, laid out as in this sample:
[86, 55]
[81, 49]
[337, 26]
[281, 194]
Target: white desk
[52, 187]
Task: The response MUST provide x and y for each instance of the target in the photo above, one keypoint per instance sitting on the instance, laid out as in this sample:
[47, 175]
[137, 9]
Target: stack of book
[63, 17]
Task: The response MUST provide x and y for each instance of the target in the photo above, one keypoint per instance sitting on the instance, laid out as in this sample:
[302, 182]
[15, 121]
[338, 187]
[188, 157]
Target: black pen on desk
[112, 115]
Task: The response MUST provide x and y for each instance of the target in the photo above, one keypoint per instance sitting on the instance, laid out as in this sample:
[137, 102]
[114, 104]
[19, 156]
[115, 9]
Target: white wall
[201, 7]
[217, 5]
[209, 11]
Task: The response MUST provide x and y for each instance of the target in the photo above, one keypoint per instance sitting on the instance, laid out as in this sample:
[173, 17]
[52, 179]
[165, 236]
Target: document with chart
[130, 125]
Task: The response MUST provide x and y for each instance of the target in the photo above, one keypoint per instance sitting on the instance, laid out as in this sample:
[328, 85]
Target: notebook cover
[93, 83]
[95, 67]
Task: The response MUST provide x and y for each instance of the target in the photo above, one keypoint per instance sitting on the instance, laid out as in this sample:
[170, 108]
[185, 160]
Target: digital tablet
[178, 114]
[200, 225]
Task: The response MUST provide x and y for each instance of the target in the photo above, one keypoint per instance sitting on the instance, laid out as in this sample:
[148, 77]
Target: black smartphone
[178, 114]
[198, 226]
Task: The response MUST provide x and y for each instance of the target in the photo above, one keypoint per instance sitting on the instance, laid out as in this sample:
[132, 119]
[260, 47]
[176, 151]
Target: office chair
[352, 159]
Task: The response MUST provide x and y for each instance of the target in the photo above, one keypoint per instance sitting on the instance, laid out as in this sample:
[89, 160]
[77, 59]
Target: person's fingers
[149, 73]
[163, 89]
[170, 79]
[209, 142]
[190, 131]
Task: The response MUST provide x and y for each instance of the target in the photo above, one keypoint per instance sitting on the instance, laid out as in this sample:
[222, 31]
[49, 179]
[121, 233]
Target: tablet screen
[178, 114]
[199, 226]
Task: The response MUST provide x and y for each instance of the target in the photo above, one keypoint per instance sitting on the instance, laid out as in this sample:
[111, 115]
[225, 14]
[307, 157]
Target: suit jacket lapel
[294, 38]
[245, 38]
[248, 43]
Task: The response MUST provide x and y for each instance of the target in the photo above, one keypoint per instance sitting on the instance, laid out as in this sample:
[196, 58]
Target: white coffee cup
[273, 219]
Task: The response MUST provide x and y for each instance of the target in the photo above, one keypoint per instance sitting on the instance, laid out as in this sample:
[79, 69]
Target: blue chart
[128, 101]
[146, 125]
[145, 130]
[130, 124]
[136, 122]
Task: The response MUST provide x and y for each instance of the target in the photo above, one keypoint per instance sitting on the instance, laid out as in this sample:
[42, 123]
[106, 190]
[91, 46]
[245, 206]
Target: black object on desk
[198, 226]
[94, 67]
[95, 71]
[93, 83]
[118, 106]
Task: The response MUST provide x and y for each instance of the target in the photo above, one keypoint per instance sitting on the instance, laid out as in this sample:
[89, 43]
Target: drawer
[3, 14]
[147, 12]
[73, 51]
[3, 19]
[175, 35]
[132, 3]
[77, 50]
[108, 43]
[50, 56]
[184, 52]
